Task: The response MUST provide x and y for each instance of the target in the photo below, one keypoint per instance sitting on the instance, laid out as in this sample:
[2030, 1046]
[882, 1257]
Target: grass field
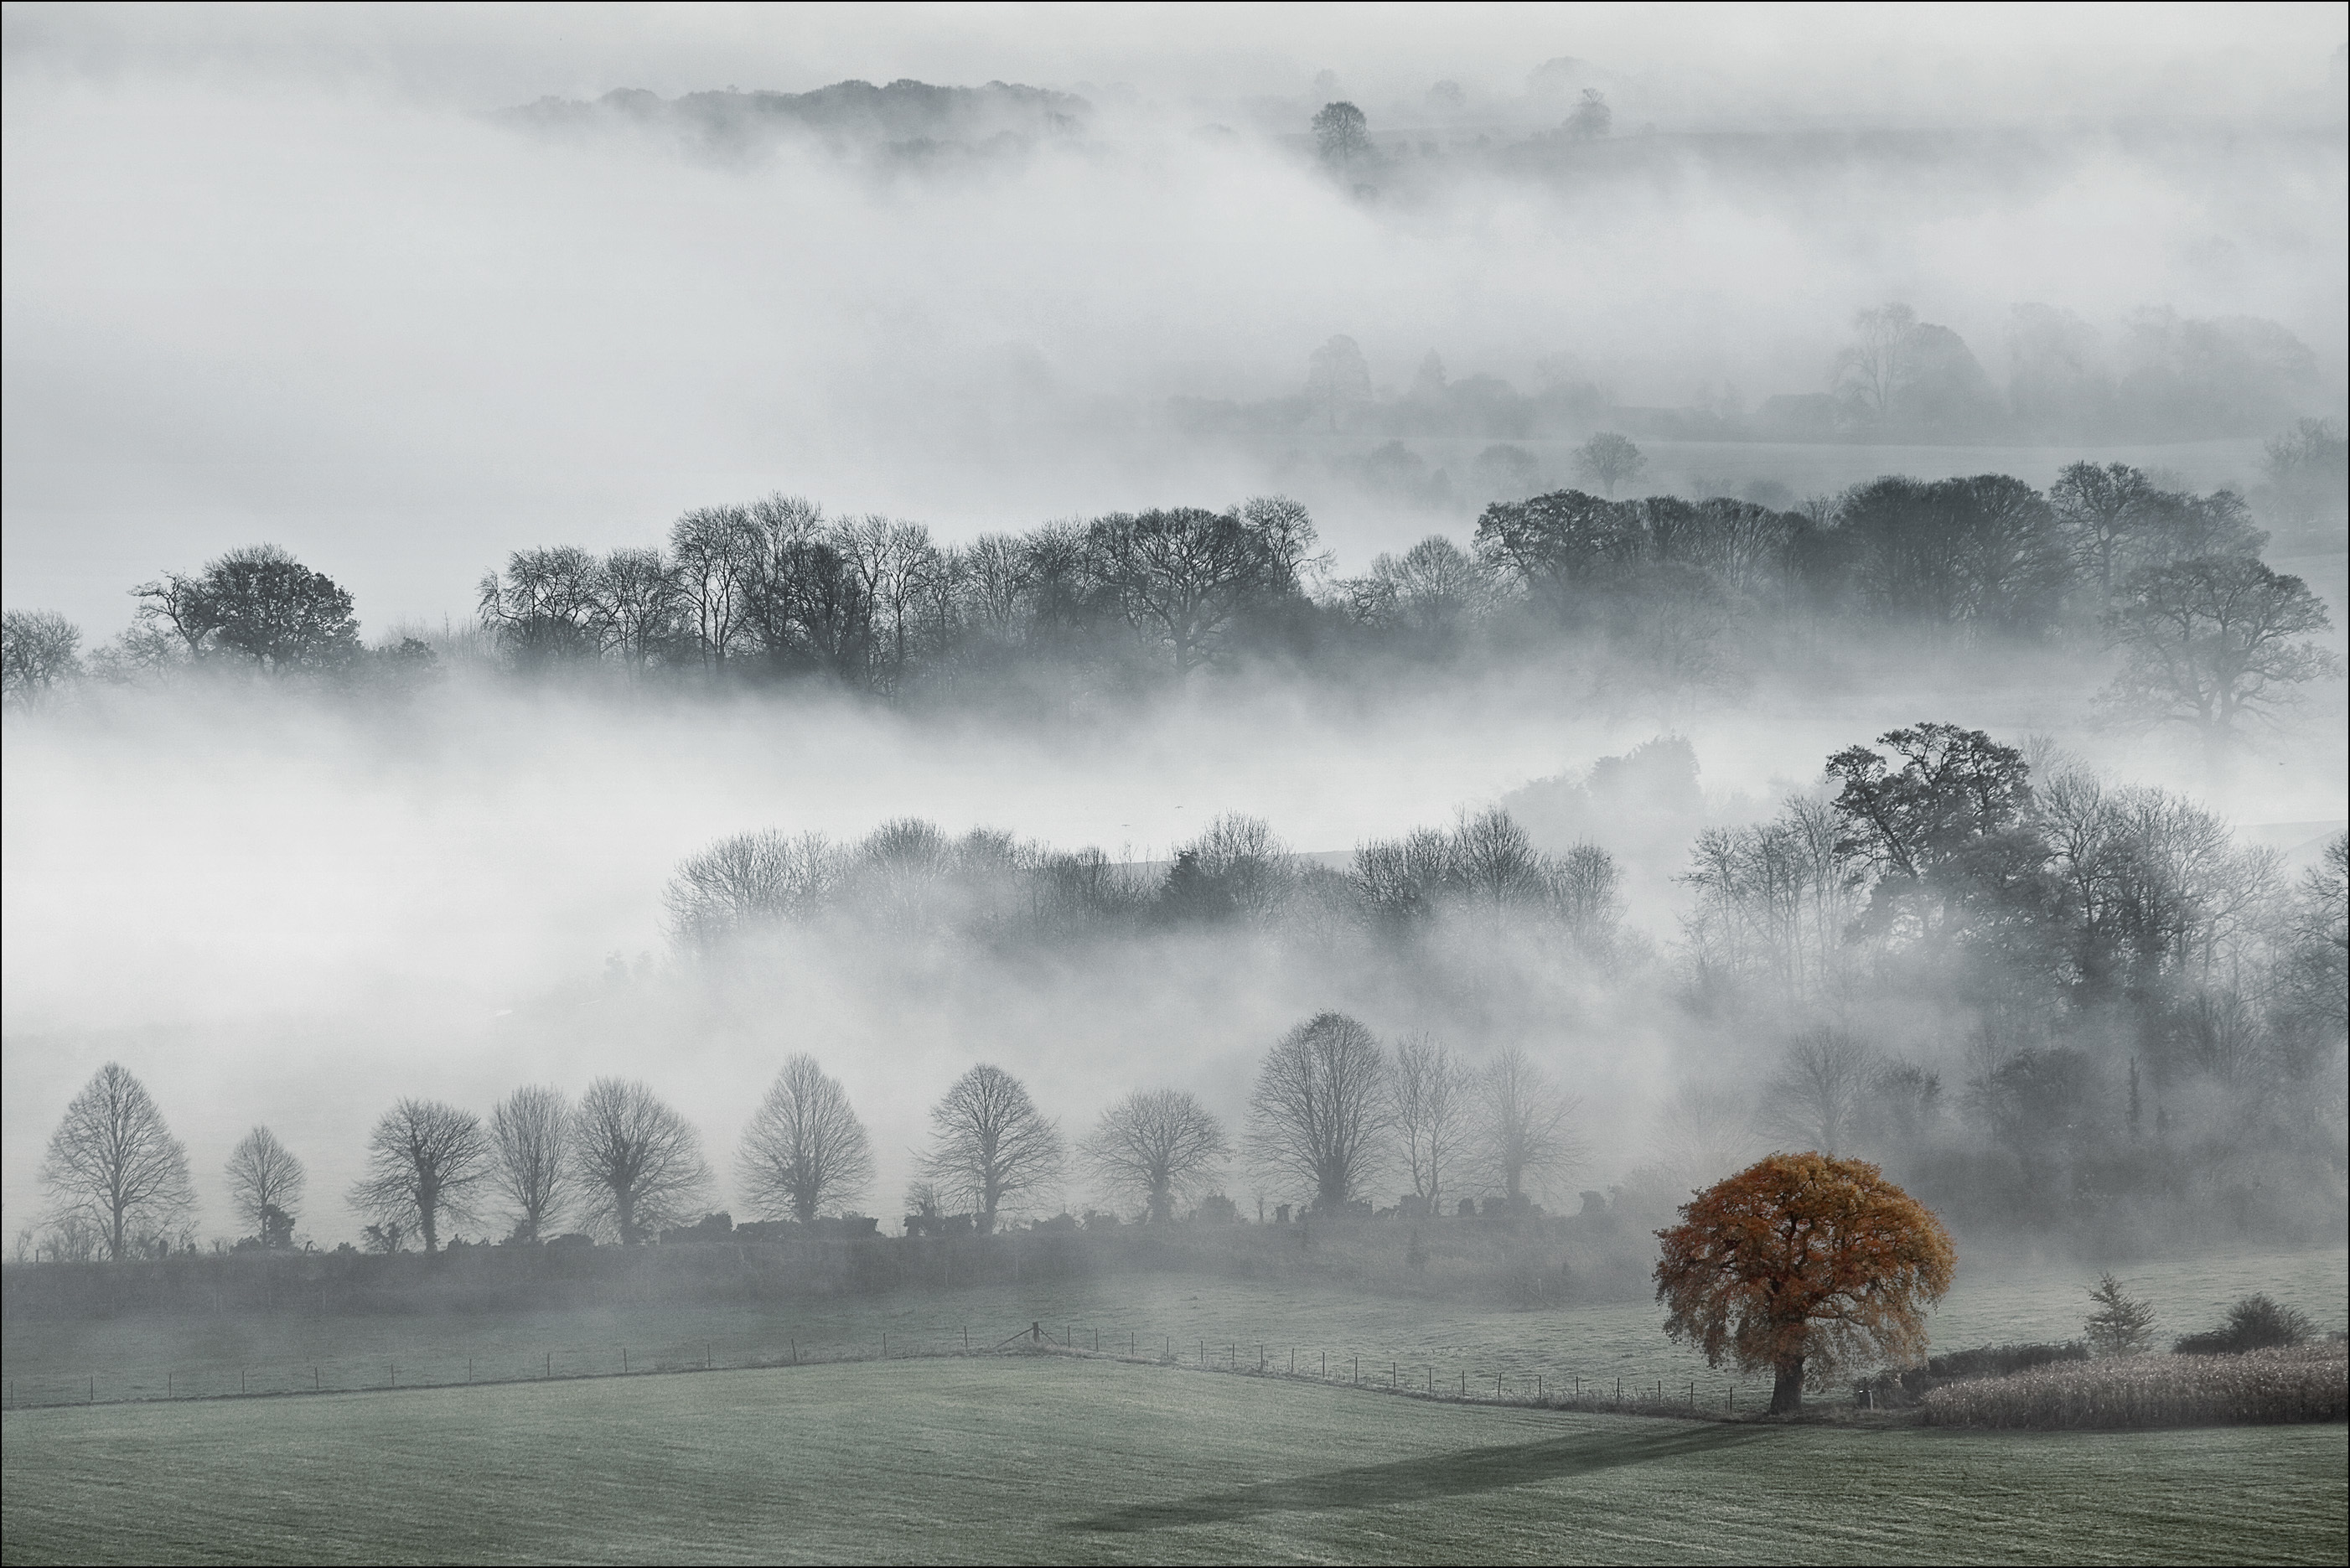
[1051, 1458]
[1994, 1302]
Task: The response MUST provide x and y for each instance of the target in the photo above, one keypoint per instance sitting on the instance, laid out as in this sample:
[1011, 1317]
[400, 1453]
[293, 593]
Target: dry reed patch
[2306, 1383]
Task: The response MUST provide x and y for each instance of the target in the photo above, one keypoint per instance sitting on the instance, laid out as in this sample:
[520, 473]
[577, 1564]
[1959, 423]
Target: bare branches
[265, 1182]
[1432, 1113]
[1522, 1137]
[426, 1159]
[113, 1165]
[1818, 1093]
[805, 1150]
[530, 1160]
[1158, 1147]
[991, 1147]
[1322, 1103]
[639, 1161]
[751, 880]
[37, 651]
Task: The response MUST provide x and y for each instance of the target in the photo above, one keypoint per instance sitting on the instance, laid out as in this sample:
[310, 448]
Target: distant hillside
[904, 116]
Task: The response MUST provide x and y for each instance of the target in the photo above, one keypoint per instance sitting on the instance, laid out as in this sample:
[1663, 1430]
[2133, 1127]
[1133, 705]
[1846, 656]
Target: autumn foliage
[1803, 1262]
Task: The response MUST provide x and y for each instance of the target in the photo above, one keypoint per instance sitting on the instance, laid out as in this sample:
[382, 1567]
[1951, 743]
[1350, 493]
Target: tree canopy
[1802, 1263]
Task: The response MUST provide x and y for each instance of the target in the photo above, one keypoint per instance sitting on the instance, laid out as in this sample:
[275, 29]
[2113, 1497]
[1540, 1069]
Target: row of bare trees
[912, 879]
[1333, 1114]
[622, 1163]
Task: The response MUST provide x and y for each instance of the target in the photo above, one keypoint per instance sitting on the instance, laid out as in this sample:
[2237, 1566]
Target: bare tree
[1819, 1088]
[37, 653]
[113, 1165]
[1432, 1113]
[531, 1164]
[1876, 366]
[425, 1160]
[265, 1182]
[1609, 460]
[639, 1161]
[1522, 1136]
[1323, 1102]
[805, 1150]
[989, 1145]
[1158, 1146]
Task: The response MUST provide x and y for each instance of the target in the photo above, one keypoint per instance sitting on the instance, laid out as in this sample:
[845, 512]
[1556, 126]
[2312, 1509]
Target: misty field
[1052, 1460]
[142, 1356]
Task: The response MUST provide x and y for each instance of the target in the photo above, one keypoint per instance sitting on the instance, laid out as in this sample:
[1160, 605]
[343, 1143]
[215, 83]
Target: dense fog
[424, 296]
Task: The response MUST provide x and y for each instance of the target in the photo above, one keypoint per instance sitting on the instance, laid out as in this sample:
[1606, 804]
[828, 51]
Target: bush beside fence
[2308, 1382]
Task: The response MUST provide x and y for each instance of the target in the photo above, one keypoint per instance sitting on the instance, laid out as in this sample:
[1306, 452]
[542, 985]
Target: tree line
[1334, 1113]
[2167, 585]
[2144, 998]
[1954, 955]
[909, 880]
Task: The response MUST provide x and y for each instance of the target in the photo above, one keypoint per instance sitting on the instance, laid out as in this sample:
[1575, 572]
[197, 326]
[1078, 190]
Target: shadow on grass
[1433, 1476]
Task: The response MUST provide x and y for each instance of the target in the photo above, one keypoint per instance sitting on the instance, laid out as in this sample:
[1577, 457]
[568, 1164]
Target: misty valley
[1103, 800]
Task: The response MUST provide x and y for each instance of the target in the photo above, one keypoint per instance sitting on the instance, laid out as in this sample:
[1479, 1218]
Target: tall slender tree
[113, 1165]
[805, 1150]
[1432, 1114]
[265, 1182]
[991, 1147]
[530, 1159]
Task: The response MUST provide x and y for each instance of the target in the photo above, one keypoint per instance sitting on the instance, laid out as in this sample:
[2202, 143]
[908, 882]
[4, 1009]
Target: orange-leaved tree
[1803, 1262]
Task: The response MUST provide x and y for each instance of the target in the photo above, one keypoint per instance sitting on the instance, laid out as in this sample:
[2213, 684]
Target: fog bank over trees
[795, 615]
[403, 279]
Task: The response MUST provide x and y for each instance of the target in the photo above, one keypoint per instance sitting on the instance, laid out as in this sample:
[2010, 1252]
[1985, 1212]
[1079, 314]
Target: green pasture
[1380, 1338]
[1054, 1458]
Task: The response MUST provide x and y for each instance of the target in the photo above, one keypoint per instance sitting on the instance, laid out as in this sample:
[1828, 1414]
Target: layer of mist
[410, 296]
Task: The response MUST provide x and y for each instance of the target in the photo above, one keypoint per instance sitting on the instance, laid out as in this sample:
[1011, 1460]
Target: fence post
[395, 1375]
[316, 1386]
[241, 1383]
[550, 1364]
[624, 1365]
[1358, 1369]
[167, 1385]
[93, 1390]
[1464, 1384]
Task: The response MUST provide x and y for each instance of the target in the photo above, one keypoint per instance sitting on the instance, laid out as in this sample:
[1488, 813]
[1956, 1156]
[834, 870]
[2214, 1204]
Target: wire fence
[1430, 1378]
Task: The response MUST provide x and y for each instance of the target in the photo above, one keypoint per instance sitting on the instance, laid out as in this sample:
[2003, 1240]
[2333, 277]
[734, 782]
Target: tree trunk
[1787, 1386]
